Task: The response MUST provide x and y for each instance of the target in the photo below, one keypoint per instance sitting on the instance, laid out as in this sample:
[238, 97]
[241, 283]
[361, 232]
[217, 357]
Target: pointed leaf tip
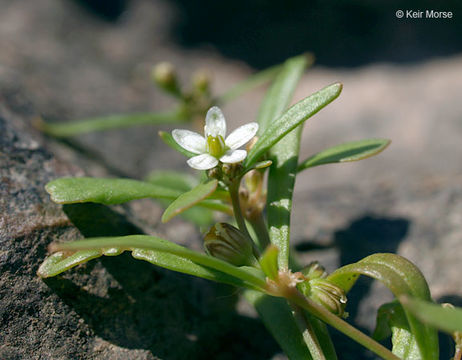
[292, 118]
[269, 262]
[189, 199]
[346, 152]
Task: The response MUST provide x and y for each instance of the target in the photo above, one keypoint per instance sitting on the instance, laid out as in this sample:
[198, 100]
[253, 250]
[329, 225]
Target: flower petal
[215, 123]
[233, 156]
[202, 162]
[189, 140]
[241, 135]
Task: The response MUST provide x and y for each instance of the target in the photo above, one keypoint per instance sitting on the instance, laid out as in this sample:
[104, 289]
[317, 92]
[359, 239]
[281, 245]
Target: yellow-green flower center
[216, 146]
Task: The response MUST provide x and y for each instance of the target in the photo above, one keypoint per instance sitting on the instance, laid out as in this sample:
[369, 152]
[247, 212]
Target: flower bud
[227, 243]
[164, 75]
[320, 290]
[201, 81]
[328, 295]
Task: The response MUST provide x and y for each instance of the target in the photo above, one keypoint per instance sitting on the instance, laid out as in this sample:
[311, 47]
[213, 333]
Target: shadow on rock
[136, 305]
[347, 33]
[363, 237]
[109, 10]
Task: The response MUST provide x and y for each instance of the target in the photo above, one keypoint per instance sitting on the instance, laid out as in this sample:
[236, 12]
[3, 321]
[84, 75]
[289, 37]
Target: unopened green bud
[201, 81]
[328, 295]
[325, 294]
[227, 243]
[164, 76]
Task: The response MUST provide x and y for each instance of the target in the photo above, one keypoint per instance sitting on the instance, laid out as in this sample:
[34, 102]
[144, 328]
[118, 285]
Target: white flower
[214, 147]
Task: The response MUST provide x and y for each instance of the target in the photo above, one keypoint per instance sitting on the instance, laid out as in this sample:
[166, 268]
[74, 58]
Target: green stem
[259, 226]
[339, 324]
[308, 333]
[234, 193]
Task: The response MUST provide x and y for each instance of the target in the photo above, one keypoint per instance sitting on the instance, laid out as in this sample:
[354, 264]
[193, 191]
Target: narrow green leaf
[292, 118]
[168, 139]
[182, 182]
[58, 262]
[251, 82]
[347, 152]
[262, 164]
[280, 93]
[283, 154]
[402, 278]
[269, 262]
[116, 191]
[391, 320]
[185, 265]
[189, 199]
[386, 268]
[104, 191]
[249, 278]
[110, 122]
[278, 319]
[443, 318]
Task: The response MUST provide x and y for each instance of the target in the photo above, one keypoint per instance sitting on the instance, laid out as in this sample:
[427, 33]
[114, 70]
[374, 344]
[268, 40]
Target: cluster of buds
[320, 290]
[227, 243]
[194, 101]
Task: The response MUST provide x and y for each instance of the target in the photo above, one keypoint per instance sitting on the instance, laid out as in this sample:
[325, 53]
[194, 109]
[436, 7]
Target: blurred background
[402, 80]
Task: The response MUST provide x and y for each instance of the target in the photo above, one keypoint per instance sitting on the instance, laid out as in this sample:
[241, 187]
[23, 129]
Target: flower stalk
[234, 194]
